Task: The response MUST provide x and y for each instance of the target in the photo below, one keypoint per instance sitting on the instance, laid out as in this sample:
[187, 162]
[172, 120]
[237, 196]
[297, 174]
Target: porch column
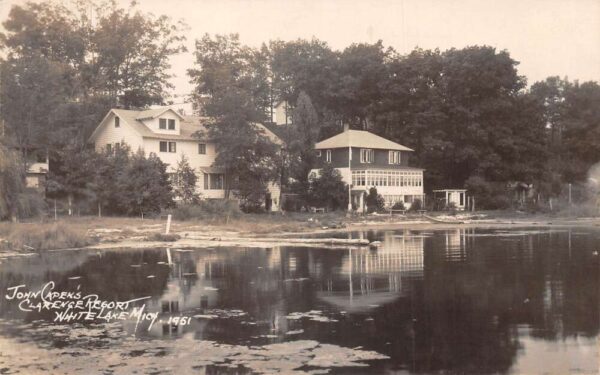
[350, 182]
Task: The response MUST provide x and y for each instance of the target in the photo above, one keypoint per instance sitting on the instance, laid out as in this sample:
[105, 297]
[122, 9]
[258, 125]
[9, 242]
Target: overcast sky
[547, 37]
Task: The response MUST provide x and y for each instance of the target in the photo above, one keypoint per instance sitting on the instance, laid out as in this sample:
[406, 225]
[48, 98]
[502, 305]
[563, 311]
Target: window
[165, 146]
[318, 153]
[162, 123]
[117, 122]
[366, 155]
[216, 181]
[394, 157]
[328, 156]
[171, 124]
[109, 147]
[202, 148]
[213, 181]
[117, 146]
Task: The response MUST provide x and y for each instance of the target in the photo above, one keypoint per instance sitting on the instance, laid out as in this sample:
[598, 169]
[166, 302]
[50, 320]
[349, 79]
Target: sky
[549, 37]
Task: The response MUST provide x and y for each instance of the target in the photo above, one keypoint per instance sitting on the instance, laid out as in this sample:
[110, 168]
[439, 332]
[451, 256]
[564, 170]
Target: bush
[207, 209]
[375, 202]
[416, 205]
[398, 206]
[328, 189]
[488, 195]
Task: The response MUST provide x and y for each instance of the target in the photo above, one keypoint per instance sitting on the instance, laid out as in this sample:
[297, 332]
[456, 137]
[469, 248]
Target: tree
[300, 138]
[184, 186]
[360, 72]
[572, 116]
[328, 189]
[109, 169]
[132, 51]
[62, 72]
[12, 182]
[72, 174]
[231, 92]
[302, 66]
[144, 186]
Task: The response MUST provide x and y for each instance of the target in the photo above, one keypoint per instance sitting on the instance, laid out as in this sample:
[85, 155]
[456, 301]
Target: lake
[467, 301]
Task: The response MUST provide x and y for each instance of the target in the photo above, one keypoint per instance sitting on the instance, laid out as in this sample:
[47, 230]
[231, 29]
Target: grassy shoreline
[80, 232]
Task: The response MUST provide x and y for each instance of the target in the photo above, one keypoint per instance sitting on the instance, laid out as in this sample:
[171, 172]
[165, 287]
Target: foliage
[374, 201]
[144, 186]
[119, 182]
[61, 72]
[31, 204]
[572, 113]
[300, 138]
[399, 205]
[488, 194]
[227, 77]
[12, 182]
[184, 185]
[328, 189]
[416, 205]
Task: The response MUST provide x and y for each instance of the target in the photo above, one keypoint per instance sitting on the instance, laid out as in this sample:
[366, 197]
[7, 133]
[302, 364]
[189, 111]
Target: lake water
[518, 301]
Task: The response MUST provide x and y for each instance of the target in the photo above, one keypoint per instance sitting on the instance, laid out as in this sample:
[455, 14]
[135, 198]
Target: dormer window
[171, 124]
[162, 123]
[117, 122]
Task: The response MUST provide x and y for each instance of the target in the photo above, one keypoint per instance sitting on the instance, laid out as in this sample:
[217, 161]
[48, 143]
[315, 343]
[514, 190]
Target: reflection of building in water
[190, 286]
[455, 245]
[553, 304]
[375, 277]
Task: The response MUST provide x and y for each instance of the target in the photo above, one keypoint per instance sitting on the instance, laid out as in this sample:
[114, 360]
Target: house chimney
[346, 127]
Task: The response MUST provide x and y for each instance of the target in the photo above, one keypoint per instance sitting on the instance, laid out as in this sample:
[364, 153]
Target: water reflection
[464, 300]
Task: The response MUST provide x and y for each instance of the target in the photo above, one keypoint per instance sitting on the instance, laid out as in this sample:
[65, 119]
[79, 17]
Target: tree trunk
[70, 198]
[99, 209]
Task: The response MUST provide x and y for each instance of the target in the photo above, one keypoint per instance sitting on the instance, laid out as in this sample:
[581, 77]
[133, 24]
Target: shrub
[488, 194]
[416, 205]
[375, 202]
[328, 189]
[398, 206]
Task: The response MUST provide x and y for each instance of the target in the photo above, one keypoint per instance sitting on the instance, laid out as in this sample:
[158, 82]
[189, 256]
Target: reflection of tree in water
[115, 275]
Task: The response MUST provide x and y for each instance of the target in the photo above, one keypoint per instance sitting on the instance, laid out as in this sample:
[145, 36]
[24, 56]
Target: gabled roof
[189, 125]
[154, 113]
[359, 138]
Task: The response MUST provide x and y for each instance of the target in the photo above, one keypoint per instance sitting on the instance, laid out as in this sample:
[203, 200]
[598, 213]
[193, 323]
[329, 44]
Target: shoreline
[193, 235]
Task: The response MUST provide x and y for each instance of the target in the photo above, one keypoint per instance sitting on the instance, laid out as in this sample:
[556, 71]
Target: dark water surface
[458, 301]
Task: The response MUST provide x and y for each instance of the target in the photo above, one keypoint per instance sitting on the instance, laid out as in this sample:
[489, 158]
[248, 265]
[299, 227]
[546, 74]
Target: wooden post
[168, 224]
[55, 212]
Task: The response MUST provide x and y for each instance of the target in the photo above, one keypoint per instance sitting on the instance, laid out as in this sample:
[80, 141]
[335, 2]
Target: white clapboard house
[168, 134]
